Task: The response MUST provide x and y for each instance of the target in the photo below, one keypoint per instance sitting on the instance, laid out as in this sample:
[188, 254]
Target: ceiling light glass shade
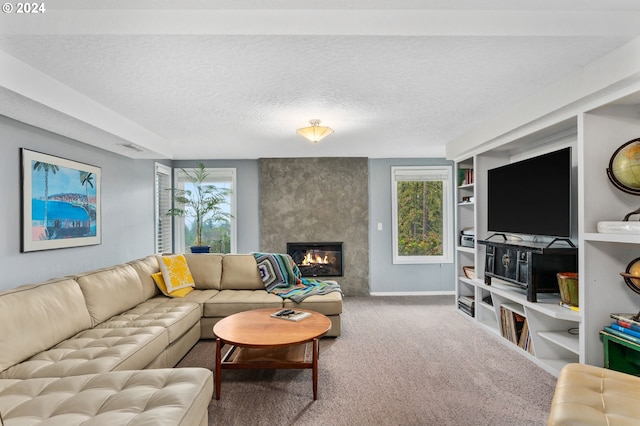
[315, 133]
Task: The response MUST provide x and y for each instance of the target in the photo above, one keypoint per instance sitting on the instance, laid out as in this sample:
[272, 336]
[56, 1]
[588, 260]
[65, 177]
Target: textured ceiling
[194, 90]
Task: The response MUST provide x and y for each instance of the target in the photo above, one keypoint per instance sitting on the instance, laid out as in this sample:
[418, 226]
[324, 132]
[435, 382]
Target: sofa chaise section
[94, 351]
[171, 397]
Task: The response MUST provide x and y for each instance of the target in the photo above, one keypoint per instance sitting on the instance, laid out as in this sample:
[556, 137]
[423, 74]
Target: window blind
[163, 204]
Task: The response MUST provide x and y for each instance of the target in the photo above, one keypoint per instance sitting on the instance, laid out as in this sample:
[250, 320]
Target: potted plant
[199, 201]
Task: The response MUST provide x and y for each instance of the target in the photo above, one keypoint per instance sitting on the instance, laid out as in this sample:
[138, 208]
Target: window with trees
[422, 213]
[220, 234]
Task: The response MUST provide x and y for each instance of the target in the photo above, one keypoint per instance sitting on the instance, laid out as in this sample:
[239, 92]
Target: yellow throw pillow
[175, 272]
[157, 277]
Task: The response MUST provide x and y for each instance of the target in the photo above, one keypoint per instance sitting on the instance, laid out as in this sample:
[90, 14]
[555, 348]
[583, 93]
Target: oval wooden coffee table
[259, 341]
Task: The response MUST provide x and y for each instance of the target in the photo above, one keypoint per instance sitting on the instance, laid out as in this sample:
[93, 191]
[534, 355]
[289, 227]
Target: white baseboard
[412, 293]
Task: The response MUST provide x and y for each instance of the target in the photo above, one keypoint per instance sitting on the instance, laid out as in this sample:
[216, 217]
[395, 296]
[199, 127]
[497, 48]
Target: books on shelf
[625, 330]
[628, 325]
[625, 326]
[627, 319]
[622, 335]
[465, 176]
[525, 342]
[467, 305]
[290, 315]
[515, 328]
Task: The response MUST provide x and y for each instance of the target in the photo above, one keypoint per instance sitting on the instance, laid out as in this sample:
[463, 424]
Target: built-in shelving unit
[560, 335]
[465, 221]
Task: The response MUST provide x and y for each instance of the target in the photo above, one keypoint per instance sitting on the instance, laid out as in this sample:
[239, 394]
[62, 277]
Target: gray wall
[246, 196]
[127, 215]
[318, 200]
[385, 277]
[127, 208]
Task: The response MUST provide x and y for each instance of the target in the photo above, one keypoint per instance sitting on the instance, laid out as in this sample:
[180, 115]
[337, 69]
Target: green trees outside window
[422, 210]
[420, 218]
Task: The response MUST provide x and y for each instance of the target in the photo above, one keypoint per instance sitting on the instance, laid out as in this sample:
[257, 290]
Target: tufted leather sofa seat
[94, 351]
[150, 397]
[175, 318]
[588, 396]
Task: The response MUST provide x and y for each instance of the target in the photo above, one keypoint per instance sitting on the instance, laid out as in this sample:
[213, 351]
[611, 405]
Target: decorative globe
[632, 275]
[624, 167]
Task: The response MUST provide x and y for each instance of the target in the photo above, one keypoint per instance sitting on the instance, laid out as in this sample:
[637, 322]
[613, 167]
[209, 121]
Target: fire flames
[310, 260]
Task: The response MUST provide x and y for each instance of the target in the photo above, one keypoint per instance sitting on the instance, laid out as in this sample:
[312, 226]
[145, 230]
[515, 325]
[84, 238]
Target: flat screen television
[532, 196]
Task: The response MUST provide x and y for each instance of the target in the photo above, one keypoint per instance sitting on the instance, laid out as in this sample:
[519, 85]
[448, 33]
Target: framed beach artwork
[60, 202]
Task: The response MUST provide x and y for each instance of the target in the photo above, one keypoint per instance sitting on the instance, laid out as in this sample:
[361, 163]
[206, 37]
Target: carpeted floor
[407, 360]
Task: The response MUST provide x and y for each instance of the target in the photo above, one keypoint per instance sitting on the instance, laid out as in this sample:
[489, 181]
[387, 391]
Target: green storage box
[621, 354]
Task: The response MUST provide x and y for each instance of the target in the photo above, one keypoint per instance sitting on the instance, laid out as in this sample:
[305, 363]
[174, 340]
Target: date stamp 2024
[23, 8]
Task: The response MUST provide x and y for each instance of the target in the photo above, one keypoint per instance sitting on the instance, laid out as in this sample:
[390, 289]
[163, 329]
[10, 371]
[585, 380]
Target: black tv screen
[532, 196]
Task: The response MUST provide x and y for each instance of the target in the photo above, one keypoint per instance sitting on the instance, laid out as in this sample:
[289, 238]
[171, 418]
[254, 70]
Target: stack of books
[468, 177]
[467, 305]
[625, 326]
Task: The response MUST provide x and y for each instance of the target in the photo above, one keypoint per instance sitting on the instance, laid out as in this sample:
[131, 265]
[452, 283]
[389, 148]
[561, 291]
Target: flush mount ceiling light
[315, 133]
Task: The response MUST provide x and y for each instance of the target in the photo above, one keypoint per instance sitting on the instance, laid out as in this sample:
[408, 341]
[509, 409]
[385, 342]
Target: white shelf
[563, 339]
[547, 304]
[467, 186]
[471, 250]
[465, 280]
[474, 282]
[466, 203]
[612, 238]
[486, 306]
[514, 307]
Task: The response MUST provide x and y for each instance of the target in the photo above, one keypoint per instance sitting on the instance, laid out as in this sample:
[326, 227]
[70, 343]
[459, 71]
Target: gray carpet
[400, 361]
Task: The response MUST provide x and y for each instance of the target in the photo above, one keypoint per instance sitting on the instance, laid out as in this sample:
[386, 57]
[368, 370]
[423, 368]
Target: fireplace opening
[317, 259]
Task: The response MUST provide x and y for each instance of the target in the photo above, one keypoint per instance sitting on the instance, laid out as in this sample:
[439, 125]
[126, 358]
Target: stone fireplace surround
[320, 200]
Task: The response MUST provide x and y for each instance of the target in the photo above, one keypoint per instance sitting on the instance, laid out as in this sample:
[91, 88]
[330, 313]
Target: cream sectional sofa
[100, 345]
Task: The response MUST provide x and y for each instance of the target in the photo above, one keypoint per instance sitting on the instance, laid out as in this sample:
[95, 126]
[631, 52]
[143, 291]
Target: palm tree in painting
[46, 167]
[86, 179]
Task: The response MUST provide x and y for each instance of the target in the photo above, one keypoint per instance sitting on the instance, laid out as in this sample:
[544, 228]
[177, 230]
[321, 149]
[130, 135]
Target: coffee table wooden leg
[218, 366]
[315, 368]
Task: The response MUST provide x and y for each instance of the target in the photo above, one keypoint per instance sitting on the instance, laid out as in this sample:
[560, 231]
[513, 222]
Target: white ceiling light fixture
[315, 133]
